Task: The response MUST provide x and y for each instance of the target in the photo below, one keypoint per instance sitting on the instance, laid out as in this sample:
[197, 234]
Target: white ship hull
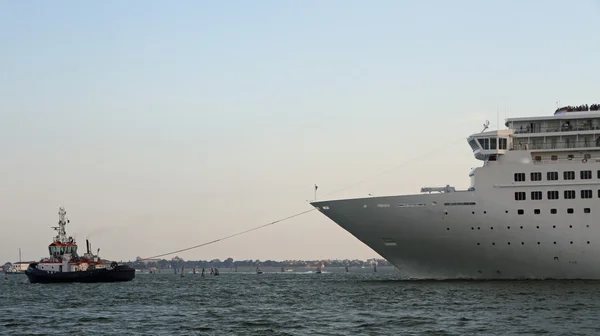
[479, 234]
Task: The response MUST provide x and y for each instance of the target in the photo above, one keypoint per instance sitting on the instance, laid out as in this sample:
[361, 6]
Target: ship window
[570, 210]
[484, 142]
[553, 211]
[492, 143]
[520, 211]
[570, 156]
[586, 194]
[585, 174]
[536, 176]
[569, 175]
[587, 210]
[519, 177]
[473, 145]
[569, 194]
[520, 196]
[536, 195]
[538, 158]
[552, 176]
[554, 158]
[599, 174]
[502, 144]
[536, 211]
[553, 194]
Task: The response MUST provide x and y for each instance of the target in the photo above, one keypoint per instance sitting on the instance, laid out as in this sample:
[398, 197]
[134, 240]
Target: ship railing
[445, 189]
[553, 129]
[555, 145]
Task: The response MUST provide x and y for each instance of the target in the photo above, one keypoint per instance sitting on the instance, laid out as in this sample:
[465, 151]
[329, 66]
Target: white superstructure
[531, 210]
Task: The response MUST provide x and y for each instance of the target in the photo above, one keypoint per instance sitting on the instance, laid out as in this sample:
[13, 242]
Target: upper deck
[569, 129]
[579, 119]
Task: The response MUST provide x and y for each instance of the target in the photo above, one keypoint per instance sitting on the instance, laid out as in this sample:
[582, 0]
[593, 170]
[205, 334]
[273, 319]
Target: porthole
[588, 242]
[492, 227]
[508, 243]
[538, 243]
[522, 243]
[521, 227]
[484, 212]
[473, 212]
[505, 211]
[477, 243]
[493, 243]
[554, 243]
[448, 229]
[571, 242]
[472, 228]
[537, 227]
[554, 226]
[570, 226]
[478, 228]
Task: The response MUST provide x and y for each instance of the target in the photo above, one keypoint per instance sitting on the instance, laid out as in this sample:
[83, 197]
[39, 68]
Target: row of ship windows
[538, 211]
[554, 211]
[539, 243]
[521, 227]
[554, 195]
[553, 176]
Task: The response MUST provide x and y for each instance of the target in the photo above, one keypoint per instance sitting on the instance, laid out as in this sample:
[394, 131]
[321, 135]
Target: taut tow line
[233, 235]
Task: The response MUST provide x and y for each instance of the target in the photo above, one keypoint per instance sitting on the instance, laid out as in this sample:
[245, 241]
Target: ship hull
[116, 274]
[461, 235]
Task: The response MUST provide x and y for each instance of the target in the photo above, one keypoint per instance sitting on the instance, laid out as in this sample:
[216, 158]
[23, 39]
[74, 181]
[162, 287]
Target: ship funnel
[87, 245]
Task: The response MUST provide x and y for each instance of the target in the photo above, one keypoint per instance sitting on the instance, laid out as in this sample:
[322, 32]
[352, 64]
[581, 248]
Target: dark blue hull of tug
[116, 274]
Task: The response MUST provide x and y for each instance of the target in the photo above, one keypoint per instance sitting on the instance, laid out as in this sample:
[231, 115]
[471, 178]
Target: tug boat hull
[117, 274]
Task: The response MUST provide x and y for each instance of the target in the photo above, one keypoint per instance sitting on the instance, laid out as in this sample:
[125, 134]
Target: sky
[161, 125]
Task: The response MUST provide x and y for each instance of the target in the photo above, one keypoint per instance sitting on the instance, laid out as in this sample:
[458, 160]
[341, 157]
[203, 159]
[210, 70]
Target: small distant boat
[65, 265]
[319, 271]
[258, 271]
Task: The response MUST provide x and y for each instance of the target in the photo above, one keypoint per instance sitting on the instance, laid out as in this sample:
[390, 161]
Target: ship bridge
[57, 249]
[489, 145]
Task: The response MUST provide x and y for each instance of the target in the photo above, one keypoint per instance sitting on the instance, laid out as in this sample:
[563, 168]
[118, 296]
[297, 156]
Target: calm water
[299, 304]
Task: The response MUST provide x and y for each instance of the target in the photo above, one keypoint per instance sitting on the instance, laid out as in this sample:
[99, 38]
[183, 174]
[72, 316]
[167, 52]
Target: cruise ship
[531, 211]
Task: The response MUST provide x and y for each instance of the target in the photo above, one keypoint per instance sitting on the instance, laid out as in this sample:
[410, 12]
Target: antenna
[485, 126]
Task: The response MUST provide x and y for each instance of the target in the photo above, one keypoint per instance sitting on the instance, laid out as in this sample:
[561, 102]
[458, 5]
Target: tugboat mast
[61, 237]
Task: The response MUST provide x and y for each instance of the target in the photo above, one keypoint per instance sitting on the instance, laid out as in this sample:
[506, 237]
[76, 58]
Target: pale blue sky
[179, 122]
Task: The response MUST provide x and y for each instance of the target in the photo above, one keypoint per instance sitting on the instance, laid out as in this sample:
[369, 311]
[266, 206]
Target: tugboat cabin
[58, 250]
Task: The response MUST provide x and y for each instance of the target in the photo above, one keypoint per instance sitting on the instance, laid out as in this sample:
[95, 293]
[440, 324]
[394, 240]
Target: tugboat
[65, 265]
